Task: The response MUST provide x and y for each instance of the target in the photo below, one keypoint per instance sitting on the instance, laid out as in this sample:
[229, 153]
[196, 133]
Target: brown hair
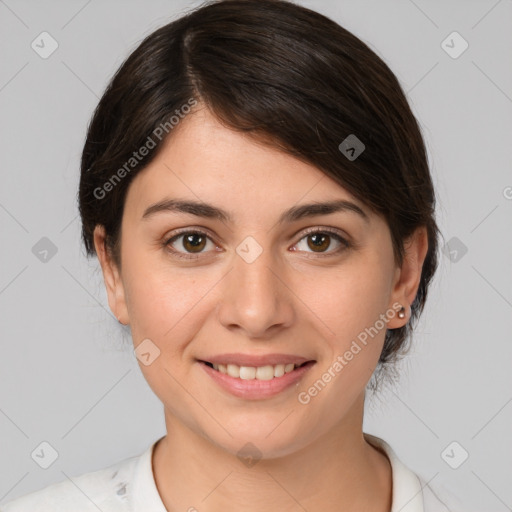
[291, 77]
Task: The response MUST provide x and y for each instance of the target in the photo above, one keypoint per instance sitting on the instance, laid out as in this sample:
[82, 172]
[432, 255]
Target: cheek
[164, 303]
[351, 298]
[166, 308]
[355, 298]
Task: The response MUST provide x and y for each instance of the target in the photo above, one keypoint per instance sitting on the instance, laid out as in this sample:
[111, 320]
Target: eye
[192, 242]
[320, 239]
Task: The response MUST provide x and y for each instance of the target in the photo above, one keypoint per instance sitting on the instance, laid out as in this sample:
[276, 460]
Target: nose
[255, 298]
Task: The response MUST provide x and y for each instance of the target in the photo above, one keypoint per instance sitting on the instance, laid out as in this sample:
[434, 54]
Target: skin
[292, 299]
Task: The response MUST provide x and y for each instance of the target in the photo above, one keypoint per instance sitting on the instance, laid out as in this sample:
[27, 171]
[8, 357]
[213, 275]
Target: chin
[268, 438]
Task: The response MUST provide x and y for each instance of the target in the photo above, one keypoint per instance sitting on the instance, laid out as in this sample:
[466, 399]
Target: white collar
[407, 490]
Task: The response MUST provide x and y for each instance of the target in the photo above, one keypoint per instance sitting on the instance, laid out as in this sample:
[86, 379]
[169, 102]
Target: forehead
[206, 161]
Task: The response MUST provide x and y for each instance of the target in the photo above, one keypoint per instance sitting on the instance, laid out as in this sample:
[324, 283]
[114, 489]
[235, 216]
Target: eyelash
[311, 231]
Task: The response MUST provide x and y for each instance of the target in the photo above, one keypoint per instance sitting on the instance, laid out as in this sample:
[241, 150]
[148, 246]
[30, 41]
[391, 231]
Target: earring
[401, 313]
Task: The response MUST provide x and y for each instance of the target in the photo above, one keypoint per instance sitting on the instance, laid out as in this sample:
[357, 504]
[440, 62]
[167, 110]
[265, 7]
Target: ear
[111, 276]
[407, 277]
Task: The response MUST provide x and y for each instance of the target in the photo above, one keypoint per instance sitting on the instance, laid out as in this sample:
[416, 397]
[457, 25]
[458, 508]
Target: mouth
[266, 372]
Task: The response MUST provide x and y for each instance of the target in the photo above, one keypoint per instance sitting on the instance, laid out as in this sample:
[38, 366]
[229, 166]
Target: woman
[257, 192]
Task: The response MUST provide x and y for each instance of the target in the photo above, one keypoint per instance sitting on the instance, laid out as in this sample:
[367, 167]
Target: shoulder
[104, 489]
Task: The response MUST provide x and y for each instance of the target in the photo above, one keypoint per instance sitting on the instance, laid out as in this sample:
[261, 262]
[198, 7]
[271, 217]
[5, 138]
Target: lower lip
[256, 389]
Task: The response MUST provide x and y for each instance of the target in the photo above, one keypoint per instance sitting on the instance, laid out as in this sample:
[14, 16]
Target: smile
[266, 372]
[256, 382]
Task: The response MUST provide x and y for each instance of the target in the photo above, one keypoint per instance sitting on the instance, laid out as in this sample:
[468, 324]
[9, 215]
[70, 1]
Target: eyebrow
[295, 213]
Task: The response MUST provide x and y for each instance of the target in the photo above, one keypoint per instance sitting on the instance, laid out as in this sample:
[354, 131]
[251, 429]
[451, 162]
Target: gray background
[66, 378]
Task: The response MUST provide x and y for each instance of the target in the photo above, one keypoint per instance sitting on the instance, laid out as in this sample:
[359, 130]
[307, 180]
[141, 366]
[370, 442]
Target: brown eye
[320, 241]
[192, 243]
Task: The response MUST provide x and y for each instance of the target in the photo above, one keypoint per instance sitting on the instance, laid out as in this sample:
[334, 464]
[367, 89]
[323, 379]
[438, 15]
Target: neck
[341, 468]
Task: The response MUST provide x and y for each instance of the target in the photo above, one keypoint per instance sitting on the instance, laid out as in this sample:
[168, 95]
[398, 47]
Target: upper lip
[255, 360]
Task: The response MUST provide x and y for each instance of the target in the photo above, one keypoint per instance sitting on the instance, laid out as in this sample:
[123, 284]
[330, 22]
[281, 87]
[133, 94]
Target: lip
[255, 389]
[255, 360]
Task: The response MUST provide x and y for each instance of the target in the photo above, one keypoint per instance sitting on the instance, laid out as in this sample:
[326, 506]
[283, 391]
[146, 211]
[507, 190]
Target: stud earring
[401, 313]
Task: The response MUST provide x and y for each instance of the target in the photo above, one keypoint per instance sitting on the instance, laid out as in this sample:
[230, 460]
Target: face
[253, 278]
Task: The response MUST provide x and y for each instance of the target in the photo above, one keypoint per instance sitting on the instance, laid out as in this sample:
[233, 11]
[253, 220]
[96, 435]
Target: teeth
[250, 372]
[233, 370]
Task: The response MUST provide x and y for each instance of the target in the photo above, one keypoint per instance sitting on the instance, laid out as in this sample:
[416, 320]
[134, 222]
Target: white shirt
[129, 486]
